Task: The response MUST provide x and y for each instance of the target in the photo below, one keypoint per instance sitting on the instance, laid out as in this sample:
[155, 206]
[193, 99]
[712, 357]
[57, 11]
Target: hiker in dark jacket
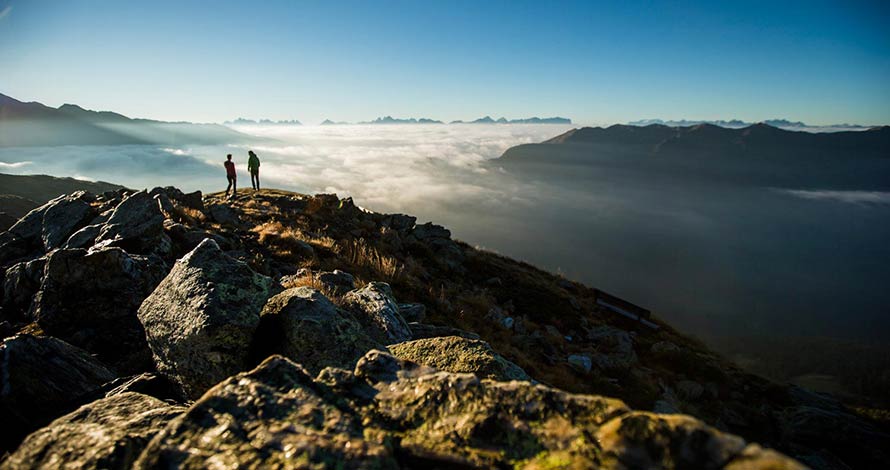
[230, 174]
[253, 167]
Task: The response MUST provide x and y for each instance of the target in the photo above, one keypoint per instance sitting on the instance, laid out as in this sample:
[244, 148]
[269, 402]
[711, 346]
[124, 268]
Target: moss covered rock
[200, 320]
[107, 433]
[457, 354]
[304, 326]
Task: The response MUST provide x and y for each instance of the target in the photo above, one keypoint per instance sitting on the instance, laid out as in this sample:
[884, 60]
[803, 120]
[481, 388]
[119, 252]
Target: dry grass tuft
[360, 253]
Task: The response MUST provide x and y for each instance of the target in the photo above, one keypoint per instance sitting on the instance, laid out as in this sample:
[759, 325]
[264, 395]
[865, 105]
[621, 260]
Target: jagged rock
[456, 354]
[377, 311]
[424, 330]
[304, 326]
[200, 319]
[430, 231]
[338, 282]
[193, 200]
[90, 299]
[223, 214]
[40, 379]
[412, 312]
[84, 238]
[136, 225]
[107, 433]
[20, 283]
[63, 216]
[400, 222]
[185, 239]
[45, 227]
[646, 440]
[272, 416]
[581, 362]
[614, 348]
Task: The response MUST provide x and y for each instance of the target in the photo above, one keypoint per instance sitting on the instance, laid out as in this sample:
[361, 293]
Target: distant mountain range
[502, 120]
[482, 120]
[262, 122]
[35, 124]
[392, 120]
[736, 123]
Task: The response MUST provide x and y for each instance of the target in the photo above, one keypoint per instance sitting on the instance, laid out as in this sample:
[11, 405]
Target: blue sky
[820, 62]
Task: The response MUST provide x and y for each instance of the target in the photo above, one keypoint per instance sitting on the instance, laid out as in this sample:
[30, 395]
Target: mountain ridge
[35, 124]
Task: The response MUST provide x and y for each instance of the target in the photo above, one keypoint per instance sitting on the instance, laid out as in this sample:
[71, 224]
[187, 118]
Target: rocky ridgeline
[154, 329]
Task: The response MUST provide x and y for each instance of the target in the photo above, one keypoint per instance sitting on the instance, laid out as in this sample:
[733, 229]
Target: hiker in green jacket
[253, 167]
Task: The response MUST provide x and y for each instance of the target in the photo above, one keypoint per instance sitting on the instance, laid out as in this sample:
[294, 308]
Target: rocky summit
[158, 329]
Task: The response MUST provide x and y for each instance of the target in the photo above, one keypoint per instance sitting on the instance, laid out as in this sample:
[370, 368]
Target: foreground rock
[90, 299]
[456, 354]
[274, 416]
[389, 413]
[200, 320]
[375, 308]
[303, 325]
[105, 434]
[40, 379]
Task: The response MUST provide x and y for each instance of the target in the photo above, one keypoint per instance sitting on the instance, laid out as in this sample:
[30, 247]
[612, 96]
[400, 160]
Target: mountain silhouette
[24, 124]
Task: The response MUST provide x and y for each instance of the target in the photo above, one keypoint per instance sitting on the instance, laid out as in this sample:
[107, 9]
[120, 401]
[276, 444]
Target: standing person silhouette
[253, 167]
[231, 175]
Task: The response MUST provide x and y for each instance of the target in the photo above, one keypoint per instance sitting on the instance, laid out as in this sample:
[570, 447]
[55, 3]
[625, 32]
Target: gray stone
[456, 354]
[105, 434]
[42, 378]
[200, 320]
[338, 282]
[304, 326]
[377, 311]
[90, 299]
[275, 416]
[20, 283]
[136, 225]
[223, 214]
[83, 238]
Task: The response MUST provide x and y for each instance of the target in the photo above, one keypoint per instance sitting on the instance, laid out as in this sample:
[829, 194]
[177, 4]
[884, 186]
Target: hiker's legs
[229, 187]
[255, 179]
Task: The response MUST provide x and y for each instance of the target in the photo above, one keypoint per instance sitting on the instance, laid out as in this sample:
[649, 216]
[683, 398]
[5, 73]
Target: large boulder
[275, 416]
[46, 227]
[377, 311]
[105, 434]
[136, 225]
[42, 378]
[200, 320]
[90, 299]
[304, 326]
[456, 354]
[20, 283]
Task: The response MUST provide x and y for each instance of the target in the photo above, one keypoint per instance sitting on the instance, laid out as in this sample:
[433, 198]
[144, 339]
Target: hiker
[230, 174]
[253, 167]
